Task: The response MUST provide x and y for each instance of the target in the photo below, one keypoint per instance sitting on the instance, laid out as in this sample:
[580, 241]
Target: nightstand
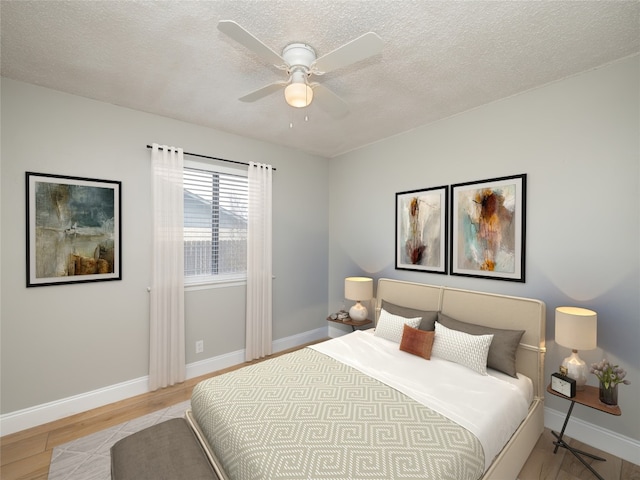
[353, 323]
[589, 397]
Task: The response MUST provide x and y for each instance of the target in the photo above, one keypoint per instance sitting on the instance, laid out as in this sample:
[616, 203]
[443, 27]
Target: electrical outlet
[200, 346]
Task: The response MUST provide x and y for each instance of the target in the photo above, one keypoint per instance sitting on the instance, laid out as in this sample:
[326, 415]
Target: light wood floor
[26, 455]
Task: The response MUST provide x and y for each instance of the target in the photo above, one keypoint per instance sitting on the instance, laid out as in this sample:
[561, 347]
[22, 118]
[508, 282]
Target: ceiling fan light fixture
[298, 94]
[300, 62]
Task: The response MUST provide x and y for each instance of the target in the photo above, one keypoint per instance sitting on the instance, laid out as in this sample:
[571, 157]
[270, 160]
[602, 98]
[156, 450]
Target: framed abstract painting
[421, 230]
[73, 230]
[488, 228]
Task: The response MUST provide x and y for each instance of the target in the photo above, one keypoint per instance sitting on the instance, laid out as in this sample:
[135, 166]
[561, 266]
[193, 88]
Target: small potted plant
[610, 376]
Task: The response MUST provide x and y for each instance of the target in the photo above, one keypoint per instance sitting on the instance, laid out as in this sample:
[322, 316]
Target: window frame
[202, 282]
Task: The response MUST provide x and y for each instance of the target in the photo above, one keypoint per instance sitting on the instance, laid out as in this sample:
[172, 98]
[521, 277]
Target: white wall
[66, 340]
[578, 141]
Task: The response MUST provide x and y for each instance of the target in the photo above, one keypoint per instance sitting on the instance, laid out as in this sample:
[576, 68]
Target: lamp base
[576, 369]
[358, 312]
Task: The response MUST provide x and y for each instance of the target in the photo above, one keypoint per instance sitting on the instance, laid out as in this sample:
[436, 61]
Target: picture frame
[488, 220]
[422, 230]
[73, 227]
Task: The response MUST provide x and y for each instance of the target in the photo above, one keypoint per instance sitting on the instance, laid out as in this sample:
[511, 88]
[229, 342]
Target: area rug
[88, 458]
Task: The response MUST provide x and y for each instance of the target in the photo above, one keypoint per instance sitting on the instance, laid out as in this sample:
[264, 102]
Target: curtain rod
[215, 158]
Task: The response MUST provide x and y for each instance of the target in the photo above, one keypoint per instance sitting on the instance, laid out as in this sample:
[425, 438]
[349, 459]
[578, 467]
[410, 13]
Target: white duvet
[489, 406]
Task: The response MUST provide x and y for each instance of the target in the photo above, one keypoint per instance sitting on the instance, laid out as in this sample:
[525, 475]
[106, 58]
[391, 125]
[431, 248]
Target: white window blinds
[215, 224]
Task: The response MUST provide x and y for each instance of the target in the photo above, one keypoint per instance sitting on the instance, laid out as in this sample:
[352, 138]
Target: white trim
[213, 364]
[338, 330]
[593, 435]
[214, 282]
[227, 360]
[48, 412]
[299, 339]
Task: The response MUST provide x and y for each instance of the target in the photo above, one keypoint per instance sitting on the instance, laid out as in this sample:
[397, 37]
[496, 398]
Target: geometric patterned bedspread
[304, 415]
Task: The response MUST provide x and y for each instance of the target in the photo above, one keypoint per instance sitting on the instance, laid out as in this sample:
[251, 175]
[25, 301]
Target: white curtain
[167, 349]
[259, 263]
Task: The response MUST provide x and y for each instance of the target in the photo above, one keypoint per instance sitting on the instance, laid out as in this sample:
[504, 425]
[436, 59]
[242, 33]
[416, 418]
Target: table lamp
[576, 328]
[359, 289]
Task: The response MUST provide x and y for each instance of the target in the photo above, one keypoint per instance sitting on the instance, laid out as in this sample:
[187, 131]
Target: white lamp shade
[358, 288]
[298, 94]
[576, 328]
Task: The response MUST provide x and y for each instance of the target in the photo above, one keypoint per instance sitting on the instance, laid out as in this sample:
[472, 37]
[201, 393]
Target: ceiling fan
[300, 62]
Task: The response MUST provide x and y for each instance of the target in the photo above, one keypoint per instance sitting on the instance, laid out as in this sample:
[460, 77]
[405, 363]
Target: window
[215, 223]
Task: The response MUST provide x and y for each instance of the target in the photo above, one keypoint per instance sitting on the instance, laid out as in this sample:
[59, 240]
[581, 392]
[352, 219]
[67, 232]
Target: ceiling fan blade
[240, 35]
[362, 47]
[329, 101]
[262, 92]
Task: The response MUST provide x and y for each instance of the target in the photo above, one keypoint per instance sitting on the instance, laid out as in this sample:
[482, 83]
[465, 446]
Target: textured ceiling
[439, 58]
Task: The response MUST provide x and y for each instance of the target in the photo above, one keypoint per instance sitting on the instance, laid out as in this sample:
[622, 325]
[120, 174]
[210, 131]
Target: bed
[367, 405]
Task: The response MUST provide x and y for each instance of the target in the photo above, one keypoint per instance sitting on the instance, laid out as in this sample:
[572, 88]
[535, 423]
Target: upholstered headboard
[487, 309]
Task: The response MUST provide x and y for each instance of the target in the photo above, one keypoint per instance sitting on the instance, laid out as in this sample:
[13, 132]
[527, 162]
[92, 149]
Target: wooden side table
[353, 323]
[589, 397]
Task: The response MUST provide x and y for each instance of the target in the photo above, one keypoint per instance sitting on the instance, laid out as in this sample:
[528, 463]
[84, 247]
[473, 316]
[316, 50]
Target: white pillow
[391, 326]
[459, 347]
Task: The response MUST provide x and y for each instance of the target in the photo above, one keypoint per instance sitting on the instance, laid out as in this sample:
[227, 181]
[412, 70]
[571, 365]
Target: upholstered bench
[166, 451]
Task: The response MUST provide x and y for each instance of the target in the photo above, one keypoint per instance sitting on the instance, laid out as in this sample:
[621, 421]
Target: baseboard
[598, 437]
[48, 412]
[299, 339]
[227, 360]
[197, 369]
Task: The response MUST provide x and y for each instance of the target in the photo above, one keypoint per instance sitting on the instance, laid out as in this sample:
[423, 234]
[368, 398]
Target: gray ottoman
[166, 451]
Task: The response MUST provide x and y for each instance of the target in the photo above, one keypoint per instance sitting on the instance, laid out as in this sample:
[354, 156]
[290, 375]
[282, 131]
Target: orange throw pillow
[417, 342]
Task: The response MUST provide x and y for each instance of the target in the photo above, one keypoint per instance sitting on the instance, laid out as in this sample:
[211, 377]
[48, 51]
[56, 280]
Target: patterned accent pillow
[459, 347]
[502, 353]
[417, 342]
[390, 326]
